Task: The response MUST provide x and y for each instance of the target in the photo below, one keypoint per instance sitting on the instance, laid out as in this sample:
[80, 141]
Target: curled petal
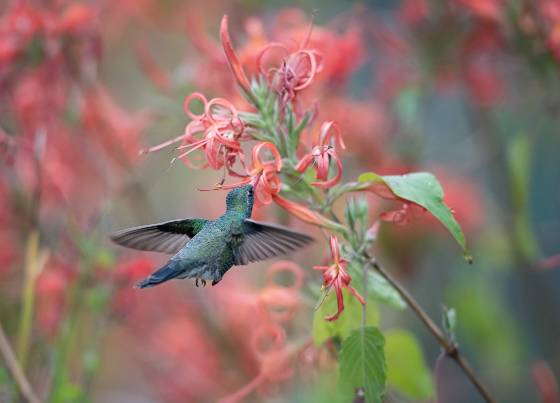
[356, 294]
[258, 163]
[326, 184]
[306, 73]
[187, 105]
[304, 163]
[266, 49]
[339, 301]
[232, 59]
[327, 133]
[220, 109]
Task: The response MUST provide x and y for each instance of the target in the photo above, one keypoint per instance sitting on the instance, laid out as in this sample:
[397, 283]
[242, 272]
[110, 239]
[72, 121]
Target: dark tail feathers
[167, 272]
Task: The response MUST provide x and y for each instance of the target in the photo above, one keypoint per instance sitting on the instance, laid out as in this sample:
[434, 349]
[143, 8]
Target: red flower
[336, 276]
[295, 72]
[401, 216]
[321, 156]
[263, 174]
[232, 59]
[221, 130]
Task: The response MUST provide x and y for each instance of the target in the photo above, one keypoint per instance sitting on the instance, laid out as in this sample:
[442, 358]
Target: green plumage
[215, 245]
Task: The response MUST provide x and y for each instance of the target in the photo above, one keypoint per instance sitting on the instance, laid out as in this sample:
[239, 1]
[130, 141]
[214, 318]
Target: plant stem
[450, 349]
[34, 262]
[15, 369]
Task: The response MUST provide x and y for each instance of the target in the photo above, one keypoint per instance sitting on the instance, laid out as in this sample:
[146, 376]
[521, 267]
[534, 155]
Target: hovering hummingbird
[207, 249]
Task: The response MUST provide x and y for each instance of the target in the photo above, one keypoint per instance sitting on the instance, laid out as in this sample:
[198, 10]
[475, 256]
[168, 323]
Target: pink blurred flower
[275, 359]
[336, 276]
[482, 75]
[490, 10]
[117, 131]
[413, 12]
[547, 385]
[51, 289]
[322, 154]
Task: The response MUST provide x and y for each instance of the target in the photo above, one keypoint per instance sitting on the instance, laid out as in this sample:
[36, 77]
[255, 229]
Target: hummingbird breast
[209, 254]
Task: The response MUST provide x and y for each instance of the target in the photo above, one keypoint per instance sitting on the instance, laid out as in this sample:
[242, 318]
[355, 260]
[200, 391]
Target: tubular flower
[232, 58]
[263, 174]
[217, 131]
[336, 276]
[307, 215]
[322, 154]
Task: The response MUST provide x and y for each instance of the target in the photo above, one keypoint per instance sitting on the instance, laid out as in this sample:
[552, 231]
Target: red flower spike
[336, 276]
[232, 59]
[322, 154]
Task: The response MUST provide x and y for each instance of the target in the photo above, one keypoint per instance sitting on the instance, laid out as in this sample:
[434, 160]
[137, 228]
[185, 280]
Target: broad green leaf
[378, 287]
[423, 189]
[350, 319]
[362, 365]
[407, 371]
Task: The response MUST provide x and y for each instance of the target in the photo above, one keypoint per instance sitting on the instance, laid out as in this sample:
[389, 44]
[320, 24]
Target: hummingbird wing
[262, 241]
[166, 237]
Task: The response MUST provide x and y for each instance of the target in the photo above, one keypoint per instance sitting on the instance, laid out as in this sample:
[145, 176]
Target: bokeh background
[466, 89]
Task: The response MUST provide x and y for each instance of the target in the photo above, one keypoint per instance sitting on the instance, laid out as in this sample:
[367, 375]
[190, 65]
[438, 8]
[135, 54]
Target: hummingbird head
[241, 200]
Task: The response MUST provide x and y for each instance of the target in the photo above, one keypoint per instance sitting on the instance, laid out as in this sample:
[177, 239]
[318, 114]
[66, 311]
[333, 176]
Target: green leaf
[407, 371]
[378, 287]
[423, 189]
[362, 365]
[350, 319]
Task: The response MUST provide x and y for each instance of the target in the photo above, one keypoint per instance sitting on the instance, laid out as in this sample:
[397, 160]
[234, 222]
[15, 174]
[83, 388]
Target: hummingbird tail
[161, 275]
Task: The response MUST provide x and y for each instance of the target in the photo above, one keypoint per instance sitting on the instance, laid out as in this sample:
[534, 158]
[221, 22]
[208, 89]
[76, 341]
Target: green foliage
[349, 320]
[406, 366]
[519, 164]
[423, 189]
[362, 365]
[487, 324]
[377, 287]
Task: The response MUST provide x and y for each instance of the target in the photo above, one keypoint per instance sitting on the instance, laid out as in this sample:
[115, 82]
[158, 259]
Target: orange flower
[336, 276]
[321, 156]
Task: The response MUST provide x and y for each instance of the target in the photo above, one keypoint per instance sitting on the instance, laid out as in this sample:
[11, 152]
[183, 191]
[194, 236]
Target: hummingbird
[206, 249]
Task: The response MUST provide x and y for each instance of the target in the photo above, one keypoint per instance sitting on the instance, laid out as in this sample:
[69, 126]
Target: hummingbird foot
[202, 281]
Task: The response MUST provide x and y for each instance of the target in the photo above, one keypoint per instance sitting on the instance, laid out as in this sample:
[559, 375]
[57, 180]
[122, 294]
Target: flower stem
[15, 369]
[450, 348]
[34, 262]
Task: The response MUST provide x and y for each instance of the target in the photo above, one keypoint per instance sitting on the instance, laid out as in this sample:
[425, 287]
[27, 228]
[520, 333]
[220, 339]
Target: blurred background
[466, 89]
